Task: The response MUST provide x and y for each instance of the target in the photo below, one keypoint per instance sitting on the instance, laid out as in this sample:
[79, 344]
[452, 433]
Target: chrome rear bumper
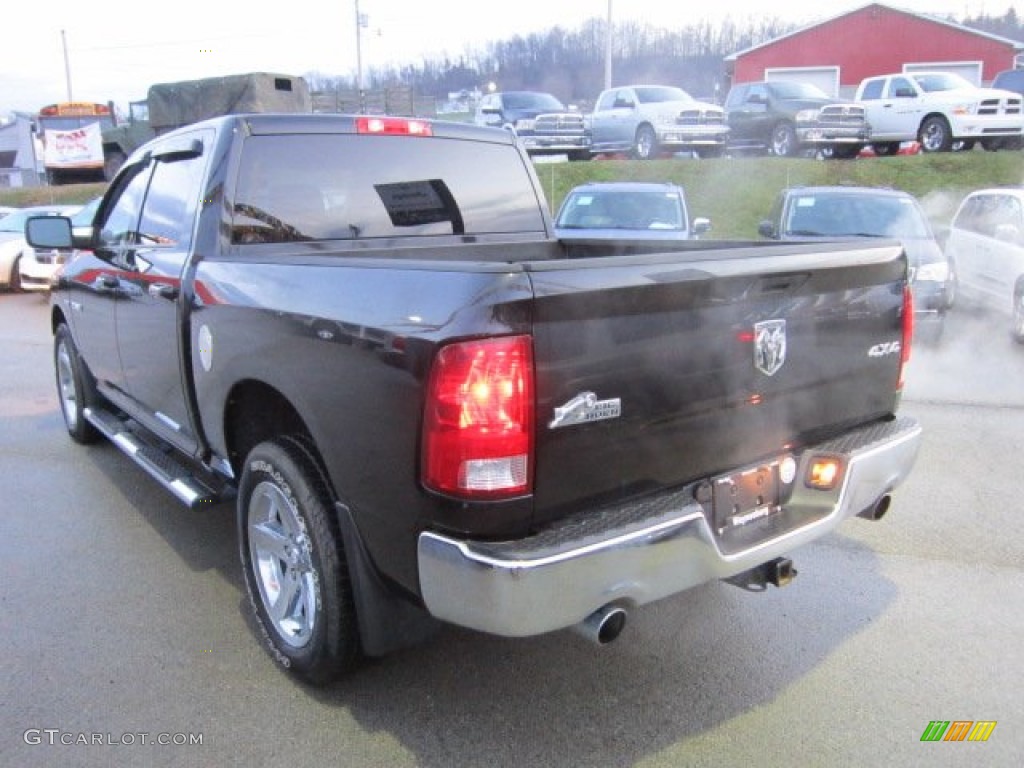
[649, 549]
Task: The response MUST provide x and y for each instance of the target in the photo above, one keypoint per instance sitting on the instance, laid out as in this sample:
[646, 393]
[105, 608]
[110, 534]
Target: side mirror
[700, 226]
[48, 232]
[766, 229]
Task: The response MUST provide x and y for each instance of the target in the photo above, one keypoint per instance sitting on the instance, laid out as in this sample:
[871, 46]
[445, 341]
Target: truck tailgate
[655, 370]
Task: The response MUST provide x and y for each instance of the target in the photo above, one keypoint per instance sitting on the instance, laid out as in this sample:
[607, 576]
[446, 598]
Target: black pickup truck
[787, 118]
[431, 410]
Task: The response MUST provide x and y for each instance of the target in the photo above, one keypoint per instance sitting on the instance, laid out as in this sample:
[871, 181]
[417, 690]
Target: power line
[168, 43]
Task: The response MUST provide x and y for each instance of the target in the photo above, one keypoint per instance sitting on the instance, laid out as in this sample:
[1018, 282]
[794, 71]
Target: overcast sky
[118, 48]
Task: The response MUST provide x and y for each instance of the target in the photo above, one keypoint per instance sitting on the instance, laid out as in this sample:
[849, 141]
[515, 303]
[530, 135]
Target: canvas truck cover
[172, 105]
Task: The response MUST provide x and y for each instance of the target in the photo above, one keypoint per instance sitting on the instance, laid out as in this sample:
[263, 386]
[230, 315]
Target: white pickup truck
[938, 109]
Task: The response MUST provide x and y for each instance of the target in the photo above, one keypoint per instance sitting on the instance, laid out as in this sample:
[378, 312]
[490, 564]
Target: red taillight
[478, 419]
[394, 126]
[908, 333]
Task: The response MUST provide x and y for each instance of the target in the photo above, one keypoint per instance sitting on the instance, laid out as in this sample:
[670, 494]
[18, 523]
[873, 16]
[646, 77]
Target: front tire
[294, 563]
[14, 279]
[645, 145]
[783, 142]
[75, 388]
[935, 135]
[1018, 317]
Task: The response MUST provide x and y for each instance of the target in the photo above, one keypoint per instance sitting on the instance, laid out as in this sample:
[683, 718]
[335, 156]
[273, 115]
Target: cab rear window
[294, 188]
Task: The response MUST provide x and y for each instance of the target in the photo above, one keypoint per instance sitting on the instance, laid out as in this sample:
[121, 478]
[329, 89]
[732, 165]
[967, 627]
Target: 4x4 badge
[769, 346]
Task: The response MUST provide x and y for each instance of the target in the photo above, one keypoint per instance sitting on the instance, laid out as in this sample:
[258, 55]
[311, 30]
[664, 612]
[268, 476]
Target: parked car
[986, 244]
[815, 213]
[1011, 80]
[37, 267]
[647, 120]
[543, 124]
[12, 240]
[938, 109]
[621, 209]
[787, 118]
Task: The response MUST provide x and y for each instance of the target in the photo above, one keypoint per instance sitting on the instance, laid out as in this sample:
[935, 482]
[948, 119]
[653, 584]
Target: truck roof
[275, 123]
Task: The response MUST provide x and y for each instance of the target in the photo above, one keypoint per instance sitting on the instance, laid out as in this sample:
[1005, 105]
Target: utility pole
[359, 59]
[67, 63]
[608, 49]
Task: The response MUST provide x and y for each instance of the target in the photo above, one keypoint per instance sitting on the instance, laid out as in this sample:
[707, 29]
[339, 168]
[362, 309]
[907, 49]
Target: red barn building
[875, 39]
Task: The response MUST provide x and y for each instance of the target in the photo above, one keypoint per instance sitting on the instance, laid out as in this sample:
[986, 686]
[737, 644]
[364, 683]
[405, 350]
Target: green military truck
[172, 105]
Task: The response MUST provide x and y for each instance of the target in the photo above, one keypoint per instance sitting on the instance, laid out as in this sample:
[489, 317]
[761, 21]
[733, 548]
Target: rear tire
[294, 564]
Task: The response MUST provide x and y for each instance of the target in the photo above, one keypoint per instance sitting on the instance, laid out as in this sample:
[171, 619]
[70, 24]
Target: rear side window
[344, 187]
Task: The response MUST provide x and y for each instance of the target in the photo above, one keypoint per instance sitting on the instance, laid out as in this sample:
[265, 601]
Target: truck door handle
[163, 290]
[109, 281]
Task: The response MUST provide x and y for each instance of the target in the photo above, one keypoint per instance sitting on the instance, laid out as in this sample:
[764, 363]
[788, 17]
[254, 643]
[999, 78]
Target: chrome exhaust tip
[877, 510]
[604, 625]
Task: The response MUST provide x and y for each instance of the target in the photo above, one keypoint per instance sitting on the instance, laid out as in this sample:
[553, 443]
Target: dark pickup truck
[787, 118]
[430, 409]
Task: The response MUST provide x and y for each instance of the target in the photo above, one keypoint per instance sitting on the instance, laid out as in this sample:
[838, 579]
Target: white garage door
[826, 78]
[968, 69]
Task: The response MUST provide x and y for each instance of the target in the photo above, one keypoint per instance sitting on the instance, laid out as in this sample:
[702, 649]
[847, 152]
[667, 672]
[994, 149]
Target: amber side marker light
[823, 473]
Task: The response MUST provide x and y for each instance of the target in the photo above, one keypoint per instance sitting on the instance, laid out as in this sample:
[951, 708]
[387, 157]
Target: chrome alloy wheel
[66, 385]
[282, 563]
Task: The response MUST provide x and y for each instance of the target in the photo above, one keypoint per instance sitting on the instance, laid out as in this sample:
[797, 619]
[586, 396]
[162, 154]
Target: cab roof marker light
[394, 126]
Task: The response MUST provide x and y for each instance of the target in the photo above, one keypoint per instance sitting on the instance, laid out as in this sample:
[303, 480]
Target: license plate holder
[746, 496]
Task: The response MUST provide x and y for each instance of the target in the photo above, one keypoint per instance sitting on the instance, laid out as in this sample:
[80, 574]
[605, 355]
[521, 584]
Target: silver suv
[986, 246]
